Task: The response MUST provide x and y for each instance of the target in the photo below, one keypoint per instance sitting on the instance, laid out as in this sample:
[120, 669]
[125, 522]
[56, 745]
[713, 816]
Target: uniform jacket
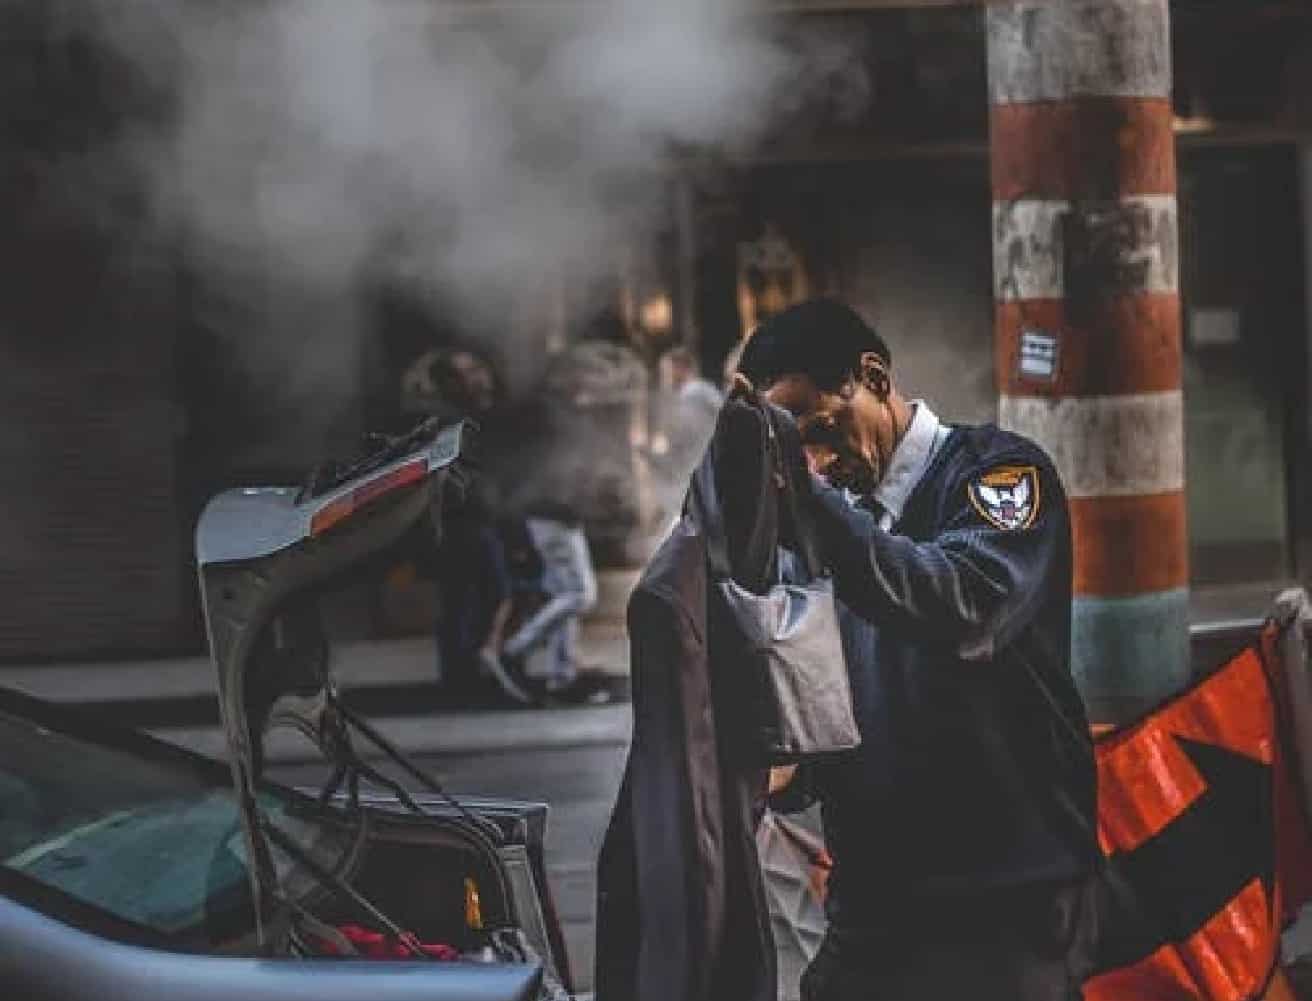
[975, 772]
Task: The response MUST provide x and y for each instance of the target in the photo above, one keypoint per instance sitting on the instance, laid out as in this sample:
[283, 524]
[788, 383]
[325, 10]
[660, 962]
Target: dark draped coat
[681, 912]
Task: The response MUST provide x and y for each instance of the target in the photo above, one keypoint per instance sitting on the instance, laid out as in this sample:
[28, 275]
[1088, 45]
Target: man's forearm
[883, 577]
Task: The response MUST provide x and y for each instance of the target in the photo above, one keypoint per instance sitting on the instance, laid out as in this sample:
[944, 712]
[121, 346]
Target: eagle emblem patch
[1007, 496]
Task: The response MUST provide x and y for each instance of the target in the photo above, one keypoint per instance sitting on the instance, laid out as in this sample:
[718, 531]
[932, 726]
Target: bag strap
[808, 544]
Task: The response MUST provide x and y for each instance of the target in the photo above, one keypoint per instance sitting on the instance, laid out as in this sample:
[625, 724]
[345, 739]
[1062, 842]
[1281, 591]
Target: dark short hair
[820, 338]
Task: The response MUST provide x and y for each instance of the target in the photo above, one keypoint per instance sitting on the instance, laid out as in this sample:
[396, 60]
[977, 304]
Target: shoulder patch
[1007, 497]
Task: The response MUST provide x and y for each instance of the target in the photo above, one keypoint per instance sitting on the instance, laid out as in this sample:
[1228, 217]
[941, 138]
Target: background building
[126, 403]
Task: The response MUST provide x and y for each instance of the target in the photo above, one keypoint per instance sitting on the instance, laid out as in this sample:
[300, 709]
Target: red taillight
[343, 507]
[330, 514]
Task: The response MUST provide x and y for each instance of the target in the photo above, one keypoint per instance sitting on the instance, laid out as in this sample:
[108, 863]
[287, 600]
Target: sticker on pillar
[1007, 497]
[1038, 355]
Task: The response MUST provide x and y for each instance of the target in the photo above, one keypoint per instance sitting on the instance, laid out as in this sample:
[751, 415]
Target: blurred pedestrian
[474, 600]
[688, 420]
[474, 582]
[541, 651]
[695, 404]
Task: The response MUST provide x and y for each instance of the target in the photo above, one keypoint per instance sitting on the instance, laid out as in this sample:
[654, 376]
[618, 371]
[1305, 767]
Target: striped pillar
[1087, 348]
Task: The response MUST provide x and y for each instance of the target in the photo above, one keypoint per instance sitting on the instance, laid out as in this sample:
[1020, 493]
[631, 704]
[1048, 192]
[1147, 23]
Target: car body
[126, 862]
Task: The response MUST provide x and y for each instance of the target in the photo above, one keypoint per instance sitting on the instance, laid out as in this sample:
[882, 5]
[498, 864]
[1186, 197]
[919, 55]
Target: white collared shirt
[912, 456]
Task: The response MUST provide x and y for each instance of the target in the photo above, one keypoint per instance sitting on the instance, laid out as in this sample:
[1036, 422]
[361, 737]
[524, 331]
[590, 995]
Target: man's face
[477, 384]
[840, 429]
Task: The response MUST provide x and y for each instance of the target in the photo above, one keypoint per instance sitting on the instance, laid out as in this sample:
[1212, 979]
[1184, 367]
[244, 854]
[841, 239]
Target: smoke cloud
[314, 147]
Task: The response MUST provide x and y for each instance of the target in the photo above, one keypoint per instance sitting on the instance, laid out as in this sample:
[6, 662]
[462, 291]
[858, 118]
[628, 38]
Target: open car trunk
[381, 852]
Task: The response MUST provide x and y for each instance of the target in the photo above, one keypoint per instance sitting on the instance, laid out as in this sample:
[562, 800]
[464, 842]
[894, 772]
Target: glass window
[1242, 297]
[150, 841]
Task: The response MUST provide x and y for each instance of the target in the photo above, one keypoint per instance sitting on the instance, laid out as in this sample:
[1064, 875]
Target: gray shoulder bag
[785, 648]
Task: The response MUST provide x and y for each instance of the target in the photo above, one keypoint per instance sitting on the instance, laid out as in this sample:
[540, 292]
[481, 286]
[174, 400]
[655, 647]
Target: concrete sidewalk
[361, 664]
[381, 664]
[177, 701]
[393, 681]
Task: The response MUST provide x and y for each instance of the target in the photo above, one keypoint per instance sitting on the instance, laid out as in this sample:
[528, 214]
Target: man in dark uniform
[962, 830]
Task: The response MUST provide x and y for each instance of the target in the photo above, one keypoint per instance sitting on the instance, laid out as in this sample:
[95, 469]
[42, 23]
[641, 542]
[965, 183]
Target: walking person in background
[688, 421]
[554, 584]
[474, 581]
[475, 601]
[694, 406]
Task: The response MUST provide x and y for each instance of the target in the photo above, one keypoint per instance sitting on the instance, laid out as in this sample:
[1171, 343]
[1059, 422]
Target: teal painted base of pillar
[1129, 654]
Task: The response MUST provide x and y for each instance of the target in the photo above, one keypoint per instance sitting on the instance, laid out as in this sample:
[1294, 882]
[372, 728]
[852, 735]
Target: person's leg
[552, 664]
[453, 630]
[542, 646]
[560, 611]
[550, 661]
[507, 677]
[565, 649]
[490, 640]
[473, 587]
[496, 633]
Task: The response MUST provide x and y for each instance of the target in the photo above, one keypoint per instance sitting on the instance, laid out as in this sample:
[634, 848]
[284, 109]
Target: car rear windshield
[151, 841]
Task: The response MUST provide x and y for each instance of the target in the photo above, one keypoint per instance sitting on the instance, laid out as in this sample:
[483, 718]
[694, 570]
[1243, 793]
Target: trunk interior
[435, 884]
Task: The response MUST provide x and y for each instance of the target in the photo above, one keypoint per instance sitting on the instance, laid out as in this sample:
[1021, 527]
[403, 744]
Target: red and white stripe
[1086, 251]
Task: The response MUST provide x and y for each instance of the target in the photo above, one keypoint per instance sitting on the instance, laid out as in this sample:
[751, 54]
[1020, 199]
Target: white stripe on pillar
[1029, 238]
[1106, 446]
[1045, 51]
